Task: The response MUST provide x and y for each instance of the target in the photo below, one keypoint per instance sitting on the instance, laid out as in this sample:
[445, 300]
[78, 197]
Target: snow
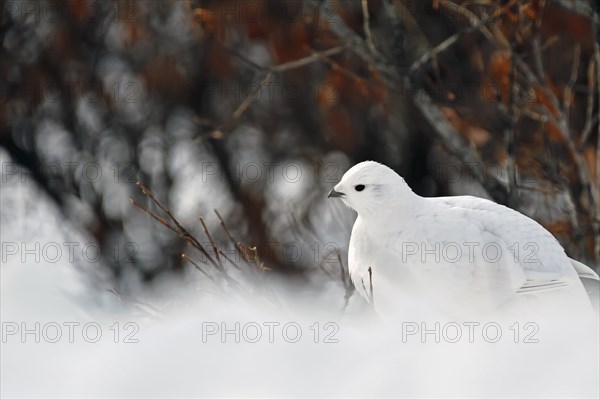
[177, 355]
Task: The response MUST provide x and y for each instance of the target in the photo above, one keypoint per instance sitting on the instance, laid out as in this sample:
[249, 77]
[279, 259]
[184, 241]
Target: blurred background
[257, 108]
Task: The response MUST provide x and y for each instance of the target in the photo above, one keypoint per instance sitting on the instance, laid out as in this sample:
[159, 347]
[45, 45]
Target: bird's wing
[531, 258]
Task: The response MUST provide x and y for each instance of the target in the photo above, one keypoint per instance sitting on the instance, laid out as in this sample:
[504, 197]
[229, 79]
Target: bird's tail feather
[591, 282]
[584, 271]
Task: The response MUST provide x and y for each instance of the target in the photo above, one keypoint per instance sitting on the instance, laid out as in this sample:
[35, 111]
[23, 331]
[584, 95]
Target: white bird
[461, 254]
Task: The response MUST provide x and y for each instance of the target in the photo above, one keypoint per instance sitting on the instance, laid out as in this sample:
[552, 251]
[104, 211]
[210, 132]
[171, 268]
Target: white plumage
[461, 255]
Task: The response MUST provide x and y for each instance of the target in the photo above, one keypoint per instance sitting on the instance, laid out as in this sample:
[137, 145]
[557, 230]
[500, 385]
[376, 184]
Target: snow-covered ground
[196, 343]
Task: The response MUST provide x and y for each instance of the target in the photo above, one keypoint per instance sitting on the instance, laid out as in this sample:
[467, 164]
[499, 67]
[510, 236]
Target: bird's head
[371, 188]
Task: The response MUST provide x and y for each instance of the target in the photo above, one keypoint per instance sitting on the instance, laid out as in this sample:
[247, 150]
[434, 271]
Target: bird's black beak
[333, 193]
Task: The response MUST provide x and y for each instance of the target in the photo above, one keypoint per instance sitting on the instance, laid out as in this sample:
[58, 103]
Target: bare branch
[479, 24]
[366, 27]
[230, 236]
[355, 43]
[456, 144]
[183, 256]
[181, 231]
[217, 133]
[587, 129]
[307, 60]
[153, 215]
[511, 128]
[568, 92]
[371, 286]
[212, 242]
[596, 224]
[233, 263]
[346, 280]
[537, 50]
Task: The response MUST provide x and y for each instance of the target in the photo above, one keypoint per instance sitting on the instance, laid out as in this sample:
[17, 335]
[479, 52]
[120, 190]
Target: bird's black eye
[359, 188]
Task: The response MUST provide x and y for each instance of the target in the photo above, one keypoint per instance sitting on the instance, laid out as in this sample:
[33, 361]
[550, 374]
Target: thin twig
[512, 126]
[315, 56]
[181, 231]
[230, 236]
[269, 77]
[326, 271]
[446, 44]
[257, 261]
[184, 257]
[587, 129]
[366, 27]
[346, 280]
[597, 219]
[568, 96]
[212, 242]
[242, 107]
[259, 265]
[355, 43]
[559, 119]
[301, 62]
[364, 287]
[153, 215]
[234, 264]
[341, 264]
[371, 285]
[351, 75]
[466, 14]
[129, 301]
[537, 51]
[251, 97]
[184, 234]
